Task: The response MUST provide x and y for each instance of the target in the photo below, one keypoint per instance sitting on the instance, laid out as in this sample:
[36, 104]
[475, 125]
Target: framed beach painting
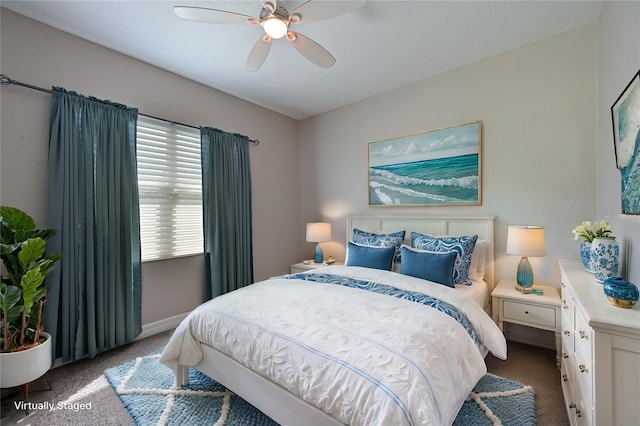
[625, 116]
[432, 168]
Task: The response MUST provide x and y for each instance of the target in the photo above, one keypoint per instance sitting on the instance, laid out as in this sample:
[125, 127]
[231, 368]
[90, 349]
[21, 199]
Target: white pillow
[478, 259]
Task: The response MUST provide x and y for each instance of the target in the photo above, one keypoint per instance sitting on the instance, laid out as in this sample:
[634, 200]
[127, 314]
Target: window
[170, 187]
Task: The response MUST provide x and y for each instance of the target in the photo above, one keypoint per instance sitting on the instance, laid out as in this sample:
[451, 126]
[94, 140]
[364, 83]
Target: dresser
[600, 365]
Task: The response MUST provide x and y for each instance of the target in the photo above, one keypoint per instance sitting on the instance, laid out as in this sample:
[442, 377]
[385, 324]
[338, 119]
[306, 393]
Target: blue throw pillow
[429, 265]
[370, 257]
[392, 239]
[462, 245]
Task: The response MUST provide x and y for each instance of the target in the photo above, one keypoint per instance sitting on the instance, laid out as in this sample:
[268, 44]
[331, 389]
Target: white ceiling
[382, 46]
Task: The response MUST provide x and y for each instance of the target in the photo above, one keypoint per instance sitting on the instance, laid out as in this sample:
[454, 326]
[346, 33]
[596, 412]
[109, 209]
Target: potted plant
[589, 231]
[22, 296]
[599, 251]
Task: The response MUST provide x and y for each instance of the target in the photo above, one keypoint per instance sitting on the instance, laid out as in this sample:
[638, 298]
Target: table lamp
[525, 241]
[318, 232]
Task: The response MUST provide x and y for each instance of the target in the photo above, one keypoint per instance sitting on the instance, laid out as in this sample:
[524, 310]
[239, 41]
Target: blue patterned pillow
[429, 265]
[370, 257]
[392, 239]
[461, 245]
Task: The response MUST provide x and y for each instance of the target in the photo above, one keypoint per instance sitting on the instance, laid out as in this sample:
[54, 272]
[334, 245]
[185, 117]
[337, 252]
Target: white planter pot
[18, 368]
[604, 258]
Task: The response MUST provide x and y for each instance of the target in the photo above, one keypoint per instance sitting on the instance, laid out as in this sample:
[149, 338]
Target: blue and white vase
[604, 258]
[585, 255]
[621, 293]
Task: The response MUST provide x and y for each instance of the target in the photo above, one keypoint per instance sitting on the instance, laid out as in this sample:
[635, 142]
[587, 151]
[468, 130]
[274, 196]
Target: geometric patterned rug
[145, 387]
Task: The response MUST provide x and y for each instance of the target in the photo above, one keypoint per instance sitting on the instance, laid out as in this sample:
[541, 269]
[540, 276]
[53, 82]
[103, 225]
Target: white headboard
[435, 225]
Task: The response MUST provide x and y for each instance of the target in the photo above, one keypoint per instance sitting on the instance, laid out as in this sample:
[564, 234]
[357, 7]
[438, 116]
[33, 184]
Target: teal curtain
[94, 301]
[226, 201]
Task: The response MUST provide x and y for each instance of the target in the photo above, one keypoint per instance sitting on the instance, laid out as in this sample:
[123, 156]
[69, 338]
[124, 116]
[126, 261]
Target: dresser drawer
[529, 313]
[583, 335]
[567, 345]
[567, 329]
[583, 410]
[583, 376]
[566, 371]
[567, 306]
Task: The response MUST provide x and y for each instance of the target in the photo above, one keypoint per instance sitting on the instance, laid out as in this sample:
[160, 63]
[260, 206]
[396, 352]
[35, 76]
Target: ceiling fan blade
[311, 50]
[313, 11]
[212, 16]
[258, 54]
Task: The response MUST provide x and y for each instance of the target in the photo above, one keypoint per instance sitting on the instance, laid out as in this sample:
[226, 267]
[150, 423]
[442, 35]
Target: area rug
[145, 387]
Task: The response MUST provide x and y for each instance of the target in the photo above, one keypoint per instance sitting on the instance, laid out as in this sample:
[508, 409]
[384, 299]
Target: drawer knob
[565, 355]
[567, 333]
[583, 334]
[565, 306]
[575, 407]
[526, 312]
[583, 368]
[564, 379]
[563, 285]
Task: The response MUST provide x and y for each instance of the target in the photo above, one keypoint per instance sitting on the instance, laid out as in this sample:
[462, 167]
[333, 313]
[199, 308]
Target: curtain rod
[5, 80]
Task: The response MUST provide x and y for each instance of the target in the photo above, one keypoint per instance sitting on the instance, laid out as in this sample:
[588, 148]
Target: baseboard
[148, 330]
[161, 326]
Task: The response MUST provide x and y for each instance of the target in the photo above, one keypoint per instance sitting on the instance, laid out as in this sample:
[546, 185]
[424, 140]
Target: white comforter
[363, 357]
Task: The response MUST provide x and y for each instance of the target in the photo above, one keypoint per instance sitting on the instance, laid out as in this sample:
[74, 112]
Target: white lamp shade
[318, 232]
[526, 241]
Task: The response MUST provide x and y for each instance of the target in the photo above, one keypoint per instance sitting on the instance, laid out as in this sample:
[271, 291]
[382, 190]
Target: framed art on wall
[432, 168]
[625, 116]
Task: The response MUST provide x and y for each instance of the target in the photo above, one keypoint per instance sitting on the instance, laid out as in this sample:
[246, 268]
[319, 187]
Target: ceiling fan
[275, 20]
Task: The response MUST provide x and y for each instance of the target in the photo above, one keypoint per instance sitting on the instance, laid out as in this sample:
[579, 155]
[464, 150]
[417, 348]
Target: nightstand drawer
[528, 313]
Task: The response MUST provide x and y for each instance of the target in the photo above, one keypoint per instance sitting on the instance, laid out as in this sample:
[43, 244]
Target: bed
[349, 344]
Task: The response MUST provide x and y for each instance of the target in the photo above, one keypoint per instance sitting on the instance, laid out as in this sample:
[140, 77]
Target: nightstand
[301, 267]
[532, 310]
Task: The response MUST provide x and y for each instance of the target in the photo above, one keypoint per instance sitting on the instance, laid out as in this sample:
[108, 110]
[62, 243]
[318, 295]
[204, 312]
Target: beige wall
[537, 105]
[40, 55]
[545, 161]
[618, 61]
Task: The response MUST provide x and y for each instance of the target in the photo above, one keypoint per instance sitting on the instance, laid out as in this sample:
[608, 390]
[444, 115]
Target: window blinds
[170, 188]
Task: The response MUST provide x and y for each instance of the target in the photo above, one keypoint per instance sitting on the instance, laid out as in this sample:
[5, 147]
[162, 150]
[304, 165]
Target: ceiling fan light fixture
[275, 27]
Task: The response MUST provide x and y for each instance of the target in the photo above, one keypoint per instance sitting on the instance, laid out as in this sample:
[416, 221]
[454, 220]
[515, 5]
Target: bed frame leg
[182, 375]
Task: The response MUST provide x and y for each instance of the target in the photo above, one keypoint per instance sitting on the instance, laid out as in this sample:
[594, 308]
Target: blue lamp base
[524, 276]
[319, 257]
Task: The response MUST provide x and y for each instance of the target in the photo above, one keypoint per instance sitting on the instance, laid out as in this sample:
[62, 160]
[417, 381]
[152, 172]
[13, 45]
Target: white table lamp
[318, 232]
[525, 241]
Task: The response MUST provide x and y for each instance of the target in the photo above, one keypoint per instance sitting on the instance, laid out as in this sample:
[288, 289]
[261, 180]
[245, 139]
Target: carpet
[145, 387]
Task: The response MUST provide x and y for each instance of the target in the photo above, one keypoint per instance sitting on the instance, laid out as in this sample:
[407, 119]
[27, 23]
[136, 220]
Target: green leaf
[47, 263]
[12, 267]
[16, 218]
[9, 297]
[31, 280]
[45, 234]
[8, 248]
[31, 250]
